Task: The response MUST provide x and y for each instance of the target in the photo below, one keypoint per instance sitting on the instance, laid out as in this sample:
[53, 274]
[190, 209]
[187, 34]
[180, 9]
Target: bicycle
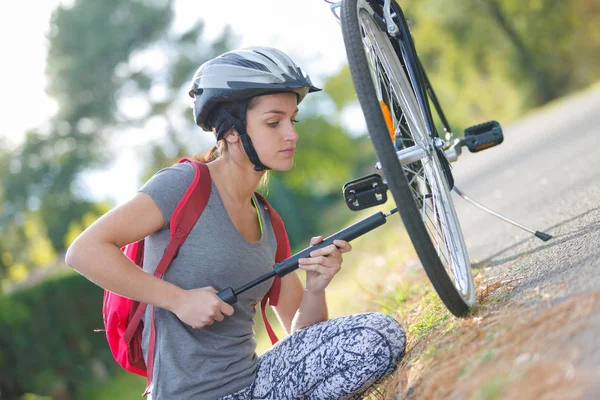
[395, 94]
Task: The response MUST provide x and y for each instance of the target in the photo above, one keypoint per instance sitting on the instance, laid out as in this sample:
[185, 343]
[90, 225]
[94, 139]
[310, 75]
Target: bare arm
[96, 255]
[290, 297]
[298, 308]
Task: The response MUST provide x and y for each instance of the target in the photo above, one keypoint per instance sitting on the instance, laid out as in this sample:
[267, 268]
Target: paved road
[545, 175]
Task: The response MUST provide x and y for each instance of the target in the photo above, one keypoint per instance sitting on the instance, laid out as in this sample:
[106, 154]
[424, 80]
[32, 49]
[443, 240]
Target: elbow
[70, 256]
[73, 255]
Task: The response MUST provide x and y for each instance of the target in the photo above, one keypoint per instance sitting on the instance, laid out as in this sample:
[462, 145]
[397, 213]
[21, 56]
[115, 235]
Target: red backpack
[123, 316]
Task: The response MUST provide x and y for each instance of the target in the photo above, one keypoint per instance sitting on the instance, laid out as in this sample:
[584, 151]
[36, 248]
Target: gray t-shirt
[218, 359]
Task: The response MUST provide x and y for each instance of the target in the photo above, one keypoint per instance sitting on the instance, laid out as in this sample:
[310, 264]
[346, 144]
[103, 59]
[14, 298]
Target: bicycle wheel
[420, 187]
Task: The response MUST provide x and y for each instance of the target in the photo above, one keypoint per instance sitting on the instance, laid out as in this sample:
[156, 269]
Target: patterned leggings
[334, 359]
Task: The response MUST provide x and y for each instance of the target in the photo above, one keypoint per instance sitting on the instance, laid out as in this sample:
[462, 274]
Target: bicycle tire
[458, 295]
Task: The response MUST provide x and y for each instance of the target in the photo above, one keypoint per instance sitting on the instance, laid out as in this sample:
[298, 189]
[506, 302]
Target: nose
[290, 133]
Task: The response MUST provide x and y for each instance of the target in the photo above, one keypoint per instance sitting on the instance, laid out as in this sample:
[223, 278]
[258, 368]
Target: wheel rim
[427, 183]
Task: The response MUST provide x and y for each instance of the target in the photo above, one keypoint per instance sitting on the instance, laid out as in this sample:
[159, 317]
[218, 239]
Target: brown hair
[217, 151]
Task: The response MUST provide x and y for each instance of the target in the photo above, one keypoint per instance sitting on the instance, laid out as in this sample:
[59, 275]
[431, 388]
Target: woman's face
[270, 125]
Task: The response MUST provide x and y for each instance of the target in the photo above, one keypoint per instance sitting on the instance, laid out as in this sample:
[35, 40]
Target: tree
[100, 55]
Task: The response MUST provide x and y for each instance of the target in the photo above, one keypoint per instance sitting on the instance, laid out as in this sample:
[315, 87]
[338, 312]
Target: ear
[231, 136]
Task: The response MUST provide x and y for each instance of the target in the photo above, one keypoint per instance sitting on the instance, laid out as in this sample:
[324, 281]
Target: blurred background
[95, 102]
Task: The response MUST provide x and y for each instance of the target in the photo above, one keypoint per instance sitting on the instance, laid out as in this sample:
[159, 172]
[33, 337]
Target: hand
[323, 263]
[201, 307]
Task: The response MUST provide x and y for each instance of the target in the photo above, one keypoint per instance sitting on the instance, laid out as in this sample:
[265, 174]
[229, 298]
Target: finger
[313, 260]
[327, 262]
[325, 251]
[343, 245]
[226, 309]
[316, 240]
[317, 268]
[329, 266]
[218, 317]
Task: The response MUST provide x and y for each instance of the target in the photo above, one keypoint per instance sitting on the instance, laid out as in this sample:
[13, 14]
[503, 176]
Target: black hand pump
[229, 295]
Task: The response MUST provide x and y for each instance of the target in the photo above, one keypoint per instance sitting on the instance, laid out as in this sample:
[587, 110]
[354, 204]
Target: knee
[392, 331]
[386, 331]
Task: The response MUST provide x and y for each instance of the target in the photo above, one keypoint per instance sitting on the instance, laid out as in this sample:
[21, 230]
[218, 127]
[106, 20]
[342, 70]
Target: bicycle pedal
[365, 192]
[483, 136]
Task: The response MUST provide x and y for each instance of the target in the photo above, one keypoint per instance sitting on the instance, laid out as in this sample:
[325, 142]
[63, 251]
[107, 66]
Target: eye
[295, 121]
[273, 124]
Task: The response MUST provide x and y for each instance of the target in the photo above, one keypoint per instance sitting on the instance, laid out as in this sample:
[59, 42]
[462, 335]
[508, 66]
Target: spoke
[416, 175]
[433, 234]
[407, 169]
[438, 235]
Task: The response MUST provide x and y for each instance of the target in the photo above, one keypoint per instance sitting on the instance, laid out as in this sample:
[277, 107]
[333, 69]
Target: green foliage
[96, 59]
[340, 89]
[88, 42]
[122, 385]
[47, 336]
[496, 59]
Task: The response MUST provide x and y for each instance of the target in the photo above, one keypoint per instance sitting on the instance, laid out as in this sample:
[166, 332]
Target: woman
[205, 348]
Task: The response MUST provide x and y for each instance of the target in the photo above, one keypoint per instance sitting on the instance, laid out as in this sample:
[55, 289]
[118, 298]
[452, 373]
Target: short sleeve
[167, 187]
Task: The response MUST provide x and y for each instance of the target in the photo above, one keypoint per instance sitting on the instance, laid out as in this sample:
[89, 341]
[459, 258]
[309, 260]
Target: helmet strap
[250, 152]
[225, 118]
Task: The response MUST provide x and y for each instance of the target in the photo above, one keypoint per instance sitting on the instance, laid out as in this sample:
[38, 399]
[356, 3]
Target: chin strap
[224, 119]
[250, 152]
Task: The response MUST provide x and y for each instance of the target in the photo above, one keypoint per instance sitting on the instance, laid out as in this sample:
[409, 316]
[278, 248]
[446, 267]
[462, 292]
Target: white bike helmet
[222, 88]
[242, 74]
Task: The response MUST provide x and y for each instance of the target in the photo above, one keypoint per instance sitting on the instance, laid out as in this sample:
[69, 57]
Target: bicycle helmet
[223, 87]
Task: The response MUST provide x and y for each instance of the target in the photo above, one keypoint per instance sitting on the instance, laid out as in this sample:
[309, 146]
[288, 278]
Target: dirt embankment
[539, 348]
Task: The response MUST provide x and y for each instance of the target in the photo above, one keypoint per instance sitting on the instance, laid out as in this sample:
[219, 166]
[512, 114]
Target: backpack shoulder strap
[186, 213]
[283, 251]
[184, 218]
[192, 203]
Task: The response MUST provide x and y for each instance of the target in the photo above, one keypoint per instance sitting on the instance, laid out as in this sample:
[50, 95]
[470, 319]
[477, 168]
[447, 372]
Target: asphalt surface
[545, 175]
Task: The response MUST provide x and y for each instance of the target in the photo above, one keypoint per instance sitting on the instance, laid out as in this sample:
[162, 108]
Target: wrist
[173, 297]
[320, 292]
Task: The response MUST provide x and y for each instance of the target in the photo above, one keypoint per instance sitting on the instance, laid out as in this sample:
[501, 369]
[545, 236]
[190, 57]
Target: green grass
[492, 389]
[487, 355]
[433, 315]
